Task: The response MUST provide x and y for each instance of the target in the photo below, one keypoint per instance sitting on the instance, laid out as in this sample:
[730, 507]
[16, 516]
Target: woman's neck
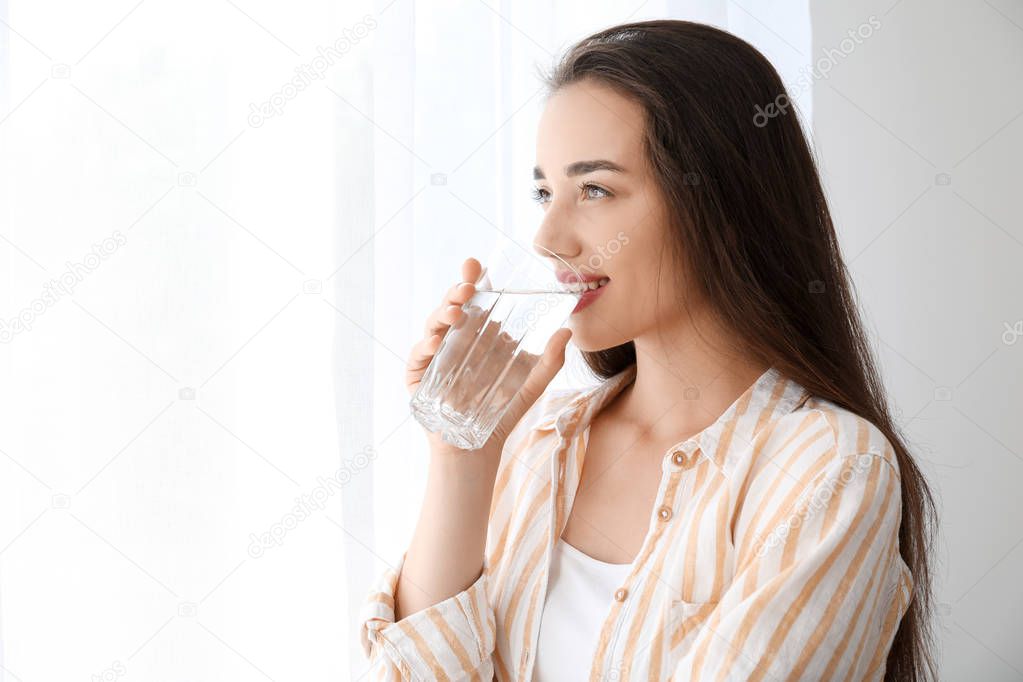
[684, 382]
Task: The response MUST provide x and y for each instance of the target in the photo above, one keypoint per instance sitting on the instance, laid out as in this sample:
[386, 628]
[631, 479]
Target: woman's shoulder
[852, 434]
[821, 433]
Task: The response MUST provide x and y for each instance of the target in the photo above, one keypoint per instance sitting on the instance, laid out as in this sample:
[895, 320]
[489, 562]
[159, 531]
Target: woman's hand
[440, 320]
[447, 314]
[446, 552]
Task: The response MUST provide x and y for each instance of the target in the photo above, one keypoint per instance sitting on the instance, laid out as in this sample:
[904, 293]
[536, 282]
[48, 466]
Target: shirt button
[679, 458]
[664, 512]
[621, 594]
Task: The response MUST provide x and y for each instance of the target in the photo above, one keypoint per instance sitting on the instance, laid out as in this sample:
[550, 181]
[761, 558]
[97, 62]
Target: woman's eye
[543, 196]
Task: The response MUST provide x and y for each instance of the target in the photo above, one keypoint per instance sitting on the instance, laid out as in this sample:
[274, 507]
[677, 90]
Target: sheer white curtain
[222, 226]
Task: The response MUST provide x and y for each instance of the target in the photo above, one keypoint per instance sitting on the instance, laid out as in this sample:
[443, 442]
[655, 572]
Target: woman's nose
[549, 254]
[555, 239]
[547, 250]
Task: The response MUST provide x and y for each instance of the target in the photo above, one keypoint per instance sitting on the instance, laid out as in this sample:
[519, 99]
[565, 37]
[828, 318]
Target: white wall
[920, 134]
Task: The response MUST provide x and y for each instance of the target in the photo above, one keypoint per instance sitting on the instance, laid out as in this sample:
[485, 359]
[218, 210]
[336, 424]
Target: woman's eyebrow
[583, 167]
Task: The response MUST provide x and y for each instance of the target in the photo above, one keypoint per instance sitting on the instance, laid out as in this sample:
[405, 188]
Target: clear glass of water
[485, 357]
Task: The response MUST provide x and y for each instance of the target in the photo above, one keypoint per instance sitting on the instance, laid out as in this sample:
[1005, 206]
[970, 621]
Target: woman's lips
[569, 277]
[589, 297]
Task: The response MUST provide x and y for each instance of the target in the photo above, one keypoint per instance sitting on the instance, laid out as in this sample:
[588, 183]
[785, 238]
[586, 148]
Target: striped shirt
[772, 553]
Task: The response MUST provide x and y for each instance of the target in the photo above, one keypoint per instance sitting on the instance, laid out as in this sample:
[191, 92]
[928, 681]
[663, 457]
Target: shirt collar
[770, 397]
[577, 413]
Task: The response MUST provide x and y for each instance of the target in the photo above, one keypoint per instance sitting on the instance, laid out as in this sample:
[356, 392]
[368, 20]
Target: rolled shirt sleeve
[819, 587]
[451, 640]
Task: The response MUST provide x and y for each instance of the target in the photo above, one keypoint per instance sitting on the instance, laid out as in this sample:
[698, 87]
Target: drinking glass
[485, 357]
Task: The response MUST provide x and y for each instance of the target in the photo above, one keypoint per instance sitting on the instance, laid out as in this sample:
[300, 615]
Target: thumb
[536, 383]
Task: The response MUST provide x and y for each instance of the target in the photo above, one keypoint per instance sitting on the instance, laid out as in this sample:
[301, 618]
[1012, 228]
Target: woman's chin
[588, 343]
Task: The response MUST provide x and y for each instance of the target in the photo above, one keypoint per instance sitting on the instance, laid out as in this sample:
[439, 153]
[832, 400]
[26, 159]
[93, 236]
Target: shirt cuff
[453, 637]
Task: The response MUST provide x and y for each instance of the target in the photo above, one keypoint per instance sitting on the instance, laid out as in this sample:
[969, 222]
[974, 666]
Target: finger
[441, 318]
[419, 359]
[459, 293]
[471, 270]
[552, 360]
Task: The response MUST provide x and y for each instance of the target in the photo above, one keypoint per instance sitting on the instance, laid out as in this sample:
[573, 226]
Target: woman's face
[604, 213]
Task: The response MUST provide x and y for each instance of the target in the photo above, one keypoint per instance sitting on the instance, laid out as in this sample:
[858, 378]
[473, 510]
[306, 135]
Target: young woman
[733, 500]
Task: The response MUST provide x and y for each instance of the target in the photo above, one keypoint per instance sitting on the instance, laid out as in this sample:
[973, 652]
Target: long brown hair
[752, 233]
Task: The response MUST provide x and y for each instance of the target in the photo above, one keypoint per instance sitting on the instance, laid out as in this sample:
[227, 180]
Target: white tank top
[580, 590]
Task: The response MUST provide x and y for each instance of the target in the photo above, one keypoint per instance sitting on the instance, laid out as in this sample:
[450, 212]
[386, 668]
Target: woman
[733, 501]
